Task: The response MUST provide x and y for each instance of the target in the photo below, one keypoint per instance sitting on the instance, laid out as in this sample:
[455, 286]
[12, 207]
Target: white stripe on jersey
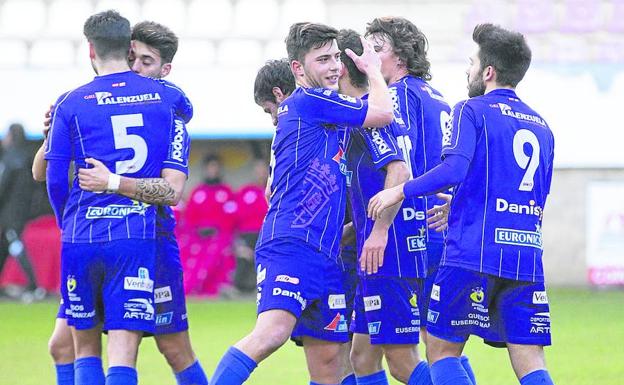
[357, 172]
[109, 232]
[84, 153]
[518, 268]
[145, 224]
[339, 233]
[326, 142]
[297, 142]
[323, 233]
[487, 187]
[409, 123]
[459, 120]
[500, 263]
[279, 203]
[128, 227]
[396, 249]
[90, 233]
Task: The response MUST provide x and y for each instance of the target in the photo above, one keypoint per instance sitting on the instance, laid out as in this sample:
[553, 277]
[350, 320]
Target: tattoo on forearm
[155, 191]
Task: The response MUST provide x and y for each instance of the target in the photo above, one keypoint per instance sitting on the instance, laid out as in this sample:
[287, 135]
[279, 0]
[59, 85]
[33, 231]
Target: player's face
[271, 109]
[476, 84]
[146, 61]
[321, 67]
[390, 62]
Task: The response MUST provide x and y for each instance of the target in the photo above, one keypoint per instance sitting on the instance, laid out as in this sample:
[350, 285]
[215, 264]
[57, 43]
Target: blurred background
[576, 82]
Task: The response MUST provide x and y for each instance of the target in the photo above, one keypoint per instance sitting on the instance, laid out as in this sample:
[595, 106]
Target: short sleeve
[324, 106]
[59, 138]
[179, 147]
[183, 107]
[382, 145]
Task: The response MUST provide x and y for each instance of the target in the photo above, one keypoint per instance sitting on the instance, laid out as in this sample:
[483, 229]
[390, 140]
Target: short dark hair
[109, 32]
[348, 38]
[274, 73]
[302, 37]
[158, 36]
[408, 42]
[506, 51]
[18, 136]
[211, 157]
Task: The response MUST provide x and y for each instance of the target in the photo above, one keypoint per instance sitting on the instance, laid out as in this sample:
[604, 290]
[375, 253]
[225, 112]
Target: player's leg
[434, 255]
[348, 376]
[525, 316]
[171, 335]
[82, 271]
[367, 359]
[272, 330]
[458, 308]
[128, 301]
[324, 360]
[61, 348]
[287, 280]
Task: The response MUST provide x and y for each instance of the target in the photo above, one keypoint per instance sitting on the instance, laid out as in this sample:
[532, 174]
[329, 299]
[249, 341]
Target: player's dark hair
[506, 51]
[348, 38]
[157, 36]
[408, 43]
[18, 136]
[274, 73]
[109, 32]
[303, 37]
[211, 157]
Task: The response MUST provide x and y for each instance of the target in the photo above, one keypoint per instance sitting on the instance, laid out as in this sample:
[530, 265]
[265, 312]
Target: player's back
[126, 122]
[496, 215]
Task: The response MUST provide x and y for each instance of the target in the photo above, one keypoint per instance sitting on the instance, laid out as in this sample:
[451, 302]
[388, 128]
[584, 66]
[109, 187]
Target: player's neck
[400, 74]
[489, 87]
[109, 67]
[350, 90]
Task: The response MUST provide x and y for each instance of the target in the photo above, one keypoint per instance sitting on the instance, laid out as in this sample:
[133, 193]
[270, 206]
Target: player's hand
[348, 234]
[368, 61]
[373, 251]
[384, 199]
[438, 215]
[93, 179]
[47, 119]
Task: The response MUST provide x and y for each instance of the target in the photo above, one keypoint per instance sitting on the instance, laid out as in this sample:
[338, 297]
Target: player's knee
[178, 357]
[363, 362]
[400, 370]
[270, 339]
[61, 350]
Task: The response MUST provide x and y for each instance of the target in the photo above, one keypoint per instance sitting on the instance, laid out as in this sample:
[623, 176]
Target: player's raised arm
[380, 111]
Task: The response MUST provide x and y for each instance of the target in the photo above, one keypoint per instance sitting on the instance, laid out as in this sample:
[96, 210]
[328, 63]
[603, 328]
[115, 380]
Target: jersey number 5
[121, 123]
[525, 162]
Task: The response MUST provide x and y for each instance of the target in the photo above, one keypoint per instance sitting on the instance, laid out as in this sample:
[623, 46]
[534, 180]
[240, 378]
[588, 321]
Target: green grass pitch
[588, 344]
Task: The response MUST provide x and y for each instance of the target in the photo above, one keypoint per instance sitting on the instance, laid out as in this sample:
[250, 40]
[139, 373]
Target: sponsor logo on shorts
[432, 316]
[291, 294]
[71, 283]
[115, 211]
[413, 300]
[435, 292]
[519, 237]
[260, 274]
[139, 308]
[105, 98]
[477, 296]
[78, 314]
[337, 301]
[338, 324]
[476, 319]
[540, 323]
[164, 318]
[287, 279]
[141, 283]
[406, 330]
[163, 294]
[374, 328]
[540, 297]
[372, 303]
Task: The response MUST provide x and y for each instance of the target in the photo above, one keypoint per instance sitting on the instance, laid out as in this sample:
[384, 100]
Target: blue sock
[65, 374]
[349, 380]
[538, 377]
[89, 371]
[420, 375]
[121, 375]
[233, 369]
[316, 383]
[193, 375]
[466, 364]
[378, 378]
[449, 371]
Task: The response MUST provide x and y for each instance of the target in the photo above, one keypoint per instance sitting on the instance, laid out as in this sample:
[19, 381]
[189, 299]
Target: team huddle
[392, 217]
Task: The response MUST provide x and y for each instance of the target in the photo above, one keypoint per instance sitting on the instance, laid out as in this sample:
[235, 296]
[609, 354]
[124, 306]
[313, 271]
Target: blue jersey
[128, 123]
[180, 148]
[427, 118]
[496, 215]
[308, 177]
[369, 152]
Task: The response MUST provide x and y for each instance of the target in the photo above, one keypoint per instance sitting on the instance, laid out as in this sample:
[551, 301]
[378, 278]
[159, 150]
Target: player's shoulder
[325, 94]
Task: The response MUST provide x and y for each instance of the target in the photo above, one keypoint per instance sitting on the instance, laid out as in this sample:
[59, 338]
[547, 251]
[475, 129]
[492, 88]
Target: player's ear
[165, 69]
[279, 95]
[489, 74]
[297, 68]
[91, 51]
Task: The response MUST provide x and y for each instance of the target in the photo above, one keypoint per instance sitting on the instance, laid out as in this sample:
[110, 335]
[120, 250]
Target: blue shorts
[386, 308]
[169, 296]
[434, 254]
[63, 311]
[110, 282]
[295, 277]
[465, 302]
